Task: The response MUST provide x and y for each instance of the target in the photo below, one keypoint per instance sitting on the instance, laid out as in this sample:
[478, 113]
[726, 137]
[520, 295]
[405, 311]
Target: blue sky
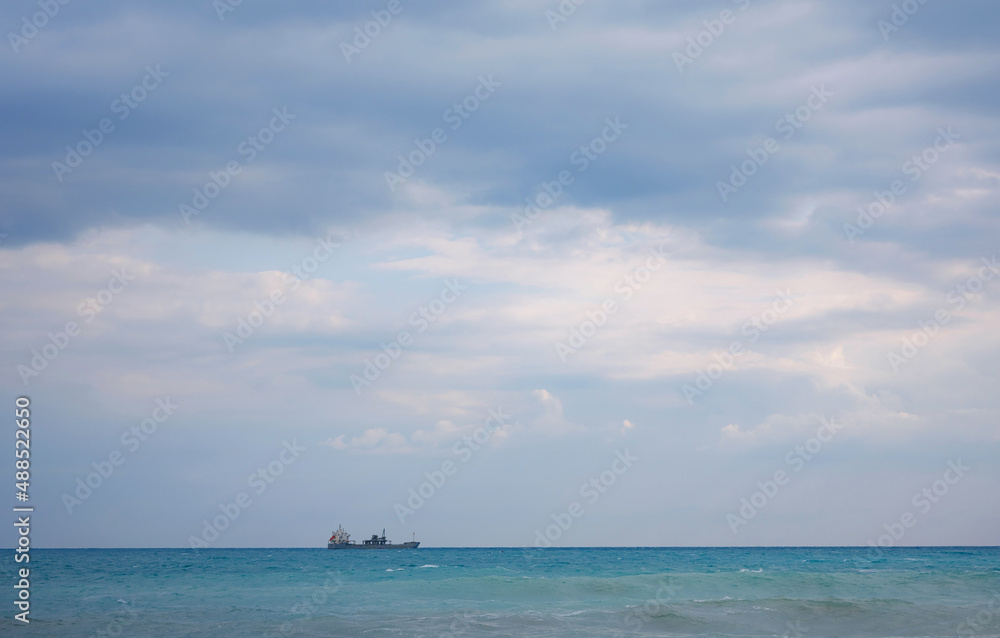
[619, 226]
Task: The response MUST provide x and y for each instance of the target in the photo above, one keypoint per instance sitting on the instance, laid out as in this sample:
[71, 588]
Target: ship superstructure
[342, 540]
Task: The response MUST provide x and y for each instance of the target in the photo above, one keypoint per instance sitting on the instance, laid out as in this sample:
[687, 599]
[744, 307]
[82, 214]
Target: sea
[778, 592]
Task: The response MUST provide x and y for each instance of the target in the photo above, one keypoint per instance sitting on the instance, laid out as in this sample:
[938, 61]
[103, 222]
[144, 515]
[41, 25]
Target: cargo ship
[342, 540]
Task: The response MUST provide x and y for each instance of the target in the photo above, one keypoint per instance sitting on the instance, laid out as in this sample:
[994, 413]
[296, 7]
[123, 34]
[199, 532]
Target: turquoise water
[795, 593]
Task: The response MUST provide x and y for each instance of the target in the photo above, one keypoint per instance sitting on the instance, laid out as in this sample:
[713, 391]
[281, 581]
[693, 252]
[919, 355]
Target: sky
[503, 273]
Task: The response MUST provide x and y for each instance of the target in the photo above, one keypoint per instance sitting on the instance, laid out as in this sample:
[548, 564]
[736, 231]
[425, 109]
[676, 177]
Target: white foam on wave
[422, 566]
[711, 600]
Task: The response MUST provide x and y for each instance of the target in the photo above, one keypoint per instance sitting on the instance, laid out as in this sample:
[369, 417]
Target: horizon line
[503, 547]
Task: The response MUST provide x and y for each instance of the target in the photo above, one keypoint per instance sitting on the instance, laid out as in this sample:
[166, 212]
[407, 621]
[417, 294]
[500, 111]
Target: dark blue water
[795, 593]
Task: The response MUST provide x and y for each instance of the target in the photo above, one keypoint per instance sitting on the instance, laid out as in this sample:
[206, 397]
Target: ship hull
[410, 545]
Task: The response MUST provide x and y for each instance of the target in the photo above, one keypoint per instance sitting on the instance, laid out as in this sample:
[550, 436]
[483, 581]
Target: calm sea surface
[796, 593]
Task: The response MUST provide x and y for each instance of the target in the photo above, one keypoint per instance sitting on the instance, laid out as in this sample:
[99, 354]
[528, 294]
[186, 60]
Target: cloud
[328, 167]
[438, 440]
[528, 288]
[373, 441]
[552, 421]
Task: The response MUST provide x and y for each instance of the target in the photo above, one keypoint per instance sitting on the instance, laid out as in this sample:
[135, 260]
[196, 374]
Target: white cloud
[373, 441]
